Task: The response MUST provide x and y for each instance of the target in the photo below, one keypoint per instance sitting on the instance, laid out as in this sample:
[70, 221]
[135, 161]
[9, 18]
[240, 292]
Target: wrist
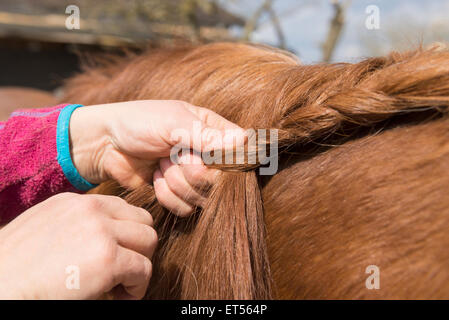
[88, 140]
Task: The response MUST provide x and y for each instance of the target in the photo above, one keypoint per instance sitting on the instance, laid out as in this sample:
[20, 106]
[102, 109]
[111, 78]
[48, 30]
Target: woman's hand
[77, 247]
[119, 141]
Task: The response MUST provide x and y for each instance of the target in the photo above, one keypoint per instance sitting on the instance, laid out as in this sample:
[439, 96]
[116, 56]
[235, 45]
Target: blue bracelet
[63, 148]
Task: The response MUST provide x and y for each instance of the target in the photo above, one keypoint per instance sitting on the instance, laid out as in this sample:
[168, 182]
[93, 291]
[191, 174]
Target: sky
[403, 24]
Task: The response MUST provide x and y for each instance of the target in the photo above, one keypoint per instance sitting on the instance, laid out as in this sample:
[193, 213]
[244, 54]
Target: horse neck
[378, 200]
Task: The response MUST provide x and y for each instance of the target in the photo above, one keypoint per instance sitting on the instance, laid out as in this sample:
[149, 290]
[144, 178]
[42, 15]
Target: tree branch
[277, 27]
[335, 29]
[251, 23]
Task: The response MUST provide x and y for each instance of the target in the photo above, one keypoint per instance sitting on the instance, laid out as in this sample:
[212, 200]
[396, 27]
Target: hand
[120, 141]
[107, 240]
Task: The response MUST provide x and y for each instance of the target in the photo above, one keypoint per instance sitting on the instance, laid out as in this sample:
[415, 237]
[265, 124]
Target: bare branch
[277, 27]
[251, 24]
[335, 29]
[292, 10]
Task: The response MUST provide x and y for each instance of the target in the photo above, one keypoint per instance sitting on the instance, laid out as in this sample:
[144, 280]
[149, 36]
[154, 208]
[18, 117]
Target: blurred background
[37, 49]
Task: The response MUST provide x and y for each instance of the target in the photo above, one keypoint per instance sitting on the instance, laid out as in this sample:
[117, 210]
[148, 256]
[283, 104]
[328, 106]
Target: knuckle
[147, 269]
[91, 203]
[148, 217]
[118, 202]
[144, 269]
[143, 213]
[139, 265]
[152, 235]
[107, 254]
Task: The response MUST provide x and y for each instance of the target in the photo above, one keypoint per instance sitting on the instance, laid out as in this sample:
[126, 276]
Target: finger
[128, 171]
[232, 134]
[167, 198]
[211, 118]
[135, 236]
[205, 130]
[197, 174]
[119, 209]
[133, 271]
[174, 177]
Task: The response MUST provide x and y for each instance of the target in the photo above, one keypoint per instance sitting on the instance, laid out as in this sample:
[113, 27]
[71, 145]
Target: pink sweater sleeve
[29, 169]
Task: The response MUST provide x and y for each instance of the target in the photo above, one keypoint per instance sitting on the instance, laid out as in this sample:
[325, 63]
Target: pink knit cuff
[29, 170]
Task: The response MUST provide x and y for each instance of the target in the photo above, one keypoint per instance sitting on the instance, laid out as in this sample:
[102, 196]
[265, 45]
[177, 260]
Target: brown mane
[221, 252]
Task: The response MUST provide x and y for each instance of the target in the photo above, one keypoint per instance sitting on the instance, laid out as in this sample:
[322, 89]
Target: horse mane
[220, 252]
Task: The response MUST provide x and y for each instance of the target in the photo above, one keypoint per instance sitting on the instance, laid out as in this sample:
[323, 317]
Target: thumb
[207, 130]
[216, 139]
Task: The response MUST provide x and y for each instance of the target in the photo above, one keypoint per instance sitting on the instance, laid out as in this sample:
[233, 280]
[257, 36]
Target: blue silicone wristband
[63, 149]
